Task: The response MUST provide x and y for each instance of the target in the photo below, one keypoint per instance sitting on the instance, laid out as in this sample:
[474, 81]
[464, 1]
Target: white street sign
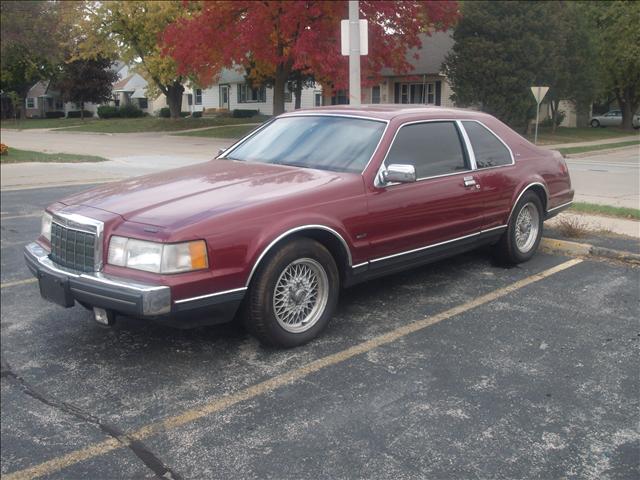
[344, 37]
[539, 93]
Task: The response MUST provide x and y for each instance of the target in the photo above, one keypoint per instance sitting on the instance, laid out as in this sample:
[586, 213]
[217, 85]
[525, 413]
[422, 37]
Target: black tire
[507, 249]
[595, 123]
[260, 316]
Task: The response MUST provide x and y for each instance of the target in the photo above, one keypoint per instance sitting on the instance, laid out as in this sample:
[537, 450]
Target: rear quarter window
[487, 148]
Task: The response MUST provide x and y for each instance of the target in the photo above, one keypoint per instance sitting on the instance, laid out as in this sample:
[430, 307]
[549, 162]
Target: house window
[288, 98]
[59, 104]
[31, 102]
[246, 94]
[318, 98]
[143, 103]
[340, 98]
[418, 93]
[375, 94]
[198, 96]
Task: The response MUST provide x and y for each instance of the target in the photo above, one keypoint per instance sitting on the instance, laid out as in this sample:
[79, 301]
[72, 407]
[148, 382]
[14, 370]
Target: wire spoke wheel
[300, 295]
[527, 227]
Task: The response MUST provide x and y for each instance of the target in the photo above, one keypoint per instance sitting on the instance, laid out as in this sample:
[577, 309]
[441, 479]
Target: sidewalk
[628, 138]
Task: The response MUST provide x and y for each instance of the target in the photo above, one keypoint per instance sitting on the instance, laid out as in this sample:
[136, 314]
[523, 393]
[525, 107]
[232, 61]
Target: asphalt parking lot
[461, 369]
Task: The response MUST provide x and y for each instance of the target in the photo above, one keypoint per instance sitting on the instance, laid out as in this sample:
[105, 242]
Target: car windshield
[339, 144]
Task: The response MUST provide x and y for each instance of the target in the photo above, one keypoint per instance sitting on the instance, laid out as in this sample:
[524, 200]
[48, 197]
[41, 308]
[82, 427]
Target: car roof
[391, 111]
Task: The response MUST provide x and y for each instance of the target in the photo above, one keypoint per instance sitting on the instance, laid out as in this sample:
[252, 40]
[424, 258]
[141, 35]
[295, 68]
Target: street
[460, 369]
[611, 178]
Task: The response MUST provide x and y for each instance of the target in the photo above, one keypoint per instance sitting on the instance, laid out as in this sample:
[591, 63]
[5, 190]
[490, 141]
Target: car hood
[183, 196]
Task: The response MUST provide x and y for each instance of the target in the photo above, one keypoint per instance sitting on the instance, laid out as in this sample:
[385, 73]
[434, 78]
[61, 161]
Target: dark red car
[308, 203]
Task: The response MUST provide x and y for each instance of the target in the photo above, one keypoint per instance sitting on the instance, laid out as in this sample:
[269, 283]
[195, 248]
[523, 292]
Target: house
[232, 92]
[41, 99]
[425, 83]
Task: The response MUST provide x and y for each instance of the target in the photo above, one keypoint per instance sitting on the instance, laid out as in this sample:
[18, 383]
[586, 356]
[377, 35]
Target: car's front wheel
[520, 242]
[293, 295]
[595, 123]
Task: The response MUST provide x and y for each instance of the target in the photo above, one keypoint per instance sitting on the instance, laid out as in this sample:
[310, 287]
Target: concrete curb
[576, 249]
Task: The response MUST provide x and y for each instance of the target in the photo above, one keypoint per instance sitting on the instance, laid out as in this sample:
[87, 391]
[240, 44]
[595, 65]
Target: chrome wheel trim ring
[300, 295]
[527, 227]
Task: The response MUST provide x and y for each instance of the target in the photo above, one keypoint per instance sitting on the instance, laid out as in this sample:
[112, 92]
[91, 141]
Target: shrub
[130, 111]
[196, 114]
[245, 113]
[548, 122]
[165, 112]
[3, 149]
[107, 111]
[76, 114]
[54, 115]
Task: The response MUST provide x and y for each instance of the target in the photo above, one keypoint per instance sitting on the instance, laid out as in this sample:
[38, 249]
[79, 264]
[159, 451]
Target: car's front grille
[73, 248]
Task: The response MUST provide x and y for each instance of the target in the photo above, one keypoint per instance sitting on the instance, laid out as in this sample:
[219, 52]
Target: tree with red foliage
[281, 37]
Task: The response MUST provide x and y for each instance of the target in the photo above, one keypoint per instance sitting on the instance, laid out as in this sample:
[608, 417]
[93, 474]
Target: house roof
[39, 89]
[430, 57]
[130, 83]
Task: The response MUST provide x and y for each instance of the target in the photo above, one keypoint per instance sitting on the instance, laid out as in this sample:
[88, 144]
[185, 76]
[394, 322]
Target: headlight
[157, 257]
[45, 230]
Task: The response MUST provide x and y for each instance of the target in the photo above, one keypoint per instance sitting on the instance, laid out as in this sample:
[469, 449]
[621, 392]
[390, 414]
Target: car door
[495, 172]
[407, 220]
[612, 118]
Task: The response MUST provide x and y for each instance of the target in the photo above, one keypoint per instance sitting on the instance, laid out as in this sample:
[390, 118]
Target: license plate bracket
[55, 289]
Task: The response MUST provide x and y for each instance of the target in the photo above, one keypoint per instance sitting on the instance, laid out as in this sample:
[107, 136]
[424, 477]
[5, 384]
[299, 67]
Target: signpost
[354, 42]
[538, 93]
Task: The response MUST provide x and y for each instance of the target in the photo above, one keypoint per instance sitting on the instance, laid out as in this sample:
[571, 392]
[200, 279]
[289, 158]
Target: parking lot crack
[139, 449]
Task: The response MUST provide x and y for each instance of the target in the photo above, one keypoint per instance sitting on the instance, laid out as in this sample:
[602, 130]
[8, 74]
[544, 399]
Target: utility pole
[354, 53]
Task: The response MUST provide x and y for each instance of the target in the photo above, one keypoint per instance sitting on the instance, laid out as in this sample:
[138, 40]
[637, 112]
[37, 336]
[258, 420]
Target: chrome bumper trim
[155, 299]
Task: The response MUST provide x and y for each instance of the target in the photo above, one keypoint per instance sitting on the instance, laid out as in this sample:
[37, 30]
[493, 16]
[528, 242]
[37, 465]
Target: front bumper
[125, 297]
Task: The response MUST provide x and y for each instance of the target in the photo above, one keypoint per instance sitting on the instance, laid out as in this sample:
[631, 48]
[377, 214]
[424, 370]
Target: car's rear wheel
[595, 123]
[293, 295]
[520, 242]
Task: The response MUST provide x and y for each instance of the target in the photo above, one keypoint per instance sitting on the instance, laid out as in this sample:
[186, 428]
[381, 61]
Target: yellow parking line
[18, 282]
[222, 403]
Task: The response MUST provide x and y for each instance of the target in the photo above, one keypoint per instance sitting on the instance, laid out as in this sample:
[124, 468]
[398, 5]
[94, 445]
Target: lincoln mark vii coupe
[309, 203]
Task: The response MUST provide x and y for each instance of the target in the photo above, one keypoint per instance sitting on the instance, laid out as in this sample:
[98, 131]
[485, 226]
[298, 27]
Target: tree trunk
[298, 92]
[628, 102]
[283, 70]
[174, 99]
[82, 111]
[555, 105]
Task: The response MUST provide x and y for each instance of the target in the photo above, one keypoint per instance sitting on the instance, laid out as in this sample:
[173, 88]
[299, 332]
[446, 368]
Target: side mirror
[398, 173]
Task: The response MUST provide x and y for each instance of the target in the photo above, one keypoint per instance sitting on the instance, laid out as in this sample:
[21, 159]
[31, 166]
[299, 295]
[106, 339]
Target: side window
[489, 151]
[433, 148]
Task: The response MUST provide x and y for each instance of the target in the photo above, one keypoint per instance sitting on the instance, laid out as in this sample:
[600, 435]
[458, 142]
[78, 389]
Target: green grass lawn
[222, 132]
[594, 148]
[586, 134]
[155, 124]
[609, 211]
[21, 156]
[31, 123]
[130, 125]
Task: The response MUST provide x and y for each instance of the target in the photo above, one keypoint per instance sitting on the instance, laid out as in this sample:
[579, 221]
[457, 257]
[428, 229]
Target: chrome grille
[76, 242]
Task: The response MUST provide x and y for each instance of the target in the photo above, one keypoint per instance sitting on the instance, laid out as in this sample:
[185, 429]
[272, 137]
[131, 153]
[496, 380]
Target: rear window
[487, 148]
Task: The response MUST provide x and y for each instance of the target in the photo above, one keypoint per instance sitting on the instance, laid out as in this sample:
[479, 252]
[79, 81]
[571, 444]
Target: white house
[232, 92]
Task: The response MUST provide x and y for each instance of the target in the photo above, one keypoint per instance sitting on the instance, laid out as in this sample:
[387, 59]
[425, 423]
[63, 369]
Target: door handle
[470, 182]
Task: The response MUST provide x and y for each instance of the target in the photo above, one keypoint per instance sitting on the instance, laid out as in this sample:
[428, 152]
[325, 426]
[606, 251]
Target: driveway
[130, 154]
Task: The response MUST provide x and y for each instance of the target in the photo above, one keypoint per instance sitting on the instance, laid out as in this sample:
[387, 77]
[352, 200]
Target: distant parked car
[306, 204]
[612, 118]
